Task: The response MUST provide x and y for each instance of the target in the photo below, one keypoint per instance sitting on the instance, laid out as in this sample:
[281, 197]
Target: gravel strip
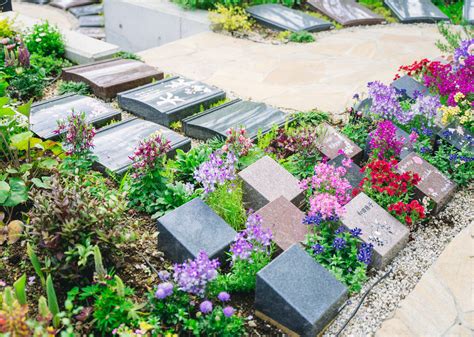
[408, 267]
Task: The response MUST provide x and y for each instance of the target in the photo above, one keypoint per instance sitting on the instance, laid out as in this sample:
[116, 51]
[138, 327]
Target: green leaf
[4, 191]
[5, 112]
[25, 108]
[52, 301]
[48, 163]
[4, 100]
[44, 182]
[35, 262]
[18, 192]
[20, 286]
[20, 140]
[25, 167]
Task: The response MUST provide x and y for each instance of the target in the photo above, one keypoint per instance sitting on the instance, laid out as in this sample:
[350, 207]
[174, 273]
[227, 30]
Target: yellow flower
[144, 326]
[448, 112]
[458, 97]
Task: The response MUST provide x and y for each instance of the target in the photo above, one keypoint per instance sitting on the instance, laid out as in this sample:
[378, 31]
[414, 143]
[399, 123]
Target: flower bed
[82, 245]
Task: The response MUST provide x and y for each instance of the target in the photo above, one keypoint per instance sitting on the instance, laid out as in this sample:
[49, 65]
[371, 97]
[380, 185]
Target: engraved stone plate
[297, 294]
[114, 144]
[379, 228]
[458, 137]
[353, 173]
[331, 141]
[169, 100]
[109, 77]
[216, 121]
[346, 12]
[409, 87]
[283, 18]
[433, 184]
[408, 11]
[44, 115]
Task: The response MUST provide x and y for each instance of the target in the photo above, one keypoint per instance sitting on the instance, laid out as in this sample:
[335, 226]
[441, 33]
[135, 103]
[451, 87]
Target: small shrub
[301, 37]
[127, 55]
[284, 35]
[46, 40]
[184, 164]
[52, 65]
[70, 87]
[6, 29]
[227, 202]
[27, 84]
[231, 19]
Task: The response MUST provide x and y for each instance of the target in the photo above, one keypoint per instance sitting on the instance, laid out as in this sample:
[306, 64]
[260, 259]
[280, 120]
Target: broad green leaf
[25, 108]
[20, 140]
[11, 170]
[18, 192]
[20, 292]
[48, 163]
[3, 101]
[25, 167]
[4, 191]
[4, 112]
[44, 183]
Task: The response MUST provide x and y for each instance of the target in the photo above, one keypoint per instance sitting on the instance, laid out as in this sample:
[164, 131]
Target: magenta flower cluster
[384, 141]
[146, 156]
[329, 190]
[385, 102]
[194, 275]
[254, 238]
[79, 134]
[237, 142]
[219, 169]
[465, 49]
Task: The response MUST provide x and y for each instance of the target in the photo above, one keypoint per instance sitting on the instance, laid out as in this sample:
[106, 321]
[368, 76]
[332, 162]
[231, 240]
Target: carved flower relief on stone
[197, 89]
[178, 83]
[169, 99]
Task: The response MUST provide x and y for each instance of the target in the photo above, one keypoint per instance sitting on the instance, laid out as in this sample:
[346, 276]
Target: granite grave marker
[66, 4]
[94, 9]
[44, 115]
[409, 11]
[113, 145]
[353, 173]
[458, 136]
[409, 87]
[468, 11]
[283, 18]
[297, 294]
[251, 115]
[346, 12]
[169, 100]
[433, 184]
[381, 229]
[285, 221]
[266, 180]
[331, 142]
[109, 77]
[191, 228]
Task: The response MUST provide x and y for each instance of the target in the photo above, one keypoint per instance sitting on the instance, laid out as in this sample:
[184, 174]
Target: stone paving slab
[323, 75]
[442, 303]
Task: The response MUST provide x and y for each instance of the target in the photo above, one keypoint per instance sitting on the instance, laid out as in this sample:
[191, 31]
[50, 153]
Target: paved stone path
[442, 303]
[55, 16]
[323, 75]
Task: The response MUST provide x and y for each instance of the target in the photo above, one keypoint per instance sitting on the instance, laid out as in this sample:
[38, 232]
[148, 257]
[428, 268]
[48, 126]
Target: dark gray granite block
[92, 21]
[191, 228]
[468, 11]
[408, 11]
[297, 294]
[458, 136]
[251, 115]
[433, 184]
[353, 173]
[381, 229]
[169, 100]
[283, 18]
[94, 9]
[364, 107]
[266, 180]
[44, 115]
[409, 87]
[115, 144]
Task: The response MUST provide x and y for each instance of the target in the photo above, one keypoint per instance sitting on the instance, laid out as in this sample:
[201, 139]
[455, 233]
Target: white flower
[38, 40]
[43, 34]
[470, 49]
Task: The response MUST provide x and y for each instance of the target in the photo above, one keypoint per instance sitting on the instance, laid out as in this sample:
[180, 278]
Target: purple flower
[164, 290]
[148, 153]
[216, 171]
[385, 102]
[228, 311]
[313, 220]
[463, 51]
[164, 275]
[340, 230]
[223, 296]
[318, 249]
[426, 106]
[356, 232]
[339, 243]
[23, 57]
[205, 307]
[365, 253]
[385, 141]
[79, 134]
[192, 276]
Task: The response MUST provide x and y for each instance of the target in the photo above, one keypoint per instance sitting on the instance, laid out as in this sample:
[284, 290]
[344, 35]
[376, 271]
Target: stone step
[94, 9]
[67, 4]
[91, 21]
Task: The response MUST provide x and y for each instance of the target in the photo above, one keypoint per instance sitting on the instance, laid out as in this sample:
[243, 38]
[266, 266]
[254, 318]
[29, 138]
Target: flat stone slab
[458, 136]
[115, 144]
[94, 9]
[297, 294]
[285, 220]
[353, 173]
[38, 2]
[44, 115]
[109, 77]
[468, 11]
[266, 180]
[408, 11]
[331, 141]
[169, 100]
[283, 18]
[192, 227]
[346, 12]
[379, 228]
[93, 32]
[92, 21]
[433, 184]
[251, 115]
[409, 87]
[66, 4]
